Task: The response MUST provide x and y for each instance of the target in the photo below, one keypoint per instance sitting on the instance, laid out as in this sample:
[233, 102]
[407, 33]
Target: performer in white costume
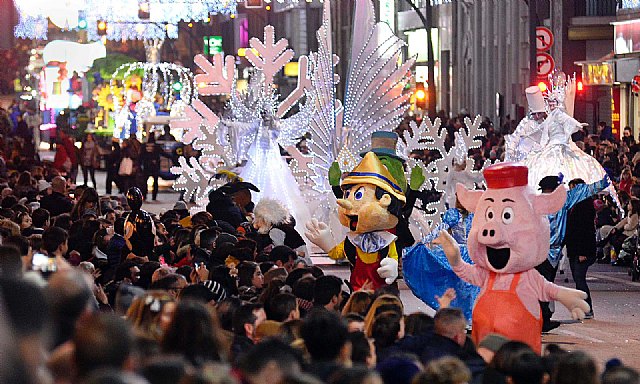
[458, 173]
[269, 171]
[527, 136]
[559, 154]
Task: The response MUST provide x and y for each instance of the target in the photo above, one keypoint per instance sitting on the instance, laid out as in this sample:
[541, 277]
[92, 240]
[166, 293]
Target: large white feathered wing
[324, 129]
[374, 98]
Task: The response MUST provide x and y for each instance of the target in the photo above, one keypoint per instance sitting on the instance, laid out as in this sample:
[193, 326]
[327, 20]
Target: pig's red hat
[506, 175]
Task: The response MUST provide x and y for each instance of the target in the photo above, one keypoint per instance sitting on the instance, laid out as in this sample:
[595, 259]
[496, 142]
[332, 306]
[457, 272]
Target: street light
[102, 28]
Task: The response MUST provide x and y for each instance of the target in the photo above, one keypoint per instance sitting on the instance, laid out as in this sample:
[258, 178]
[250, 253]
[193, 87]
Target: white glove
[573, 299]
[388, 270]
[319, 234]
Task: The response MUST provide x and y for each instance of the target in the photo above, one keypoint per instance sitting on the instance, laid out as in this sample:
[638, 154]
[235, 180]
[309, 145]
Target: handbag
[126, 167]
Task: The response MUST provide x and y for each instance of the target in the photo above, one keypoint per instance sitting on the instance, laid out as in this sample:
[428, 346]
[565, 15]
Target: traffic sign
[544, 38]
[546, 64]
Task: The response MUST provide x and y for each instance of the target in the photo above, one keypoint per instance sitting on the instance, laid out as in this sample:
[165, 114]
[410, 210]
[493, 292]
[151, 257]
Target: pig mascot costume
[509, 236]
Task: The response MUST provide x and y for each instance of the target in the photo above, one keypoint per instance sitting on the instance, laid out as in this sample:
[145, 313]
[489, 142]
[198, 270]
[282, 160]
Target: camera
[43, 263]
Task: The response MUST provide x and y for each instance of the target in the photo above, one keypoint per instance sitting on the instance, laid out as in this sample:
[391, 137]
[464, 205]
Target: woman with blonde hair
[151, 313]
[359, 303]
[381, 304]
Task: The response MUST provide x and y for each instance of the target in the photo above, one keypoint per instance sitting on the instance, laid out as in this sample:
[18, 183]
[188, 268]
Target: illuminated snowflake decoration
[225, 140]
[442, 175]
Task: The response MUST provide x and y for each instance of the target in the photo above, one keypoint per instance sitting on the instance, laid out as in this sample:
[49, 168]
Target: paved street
[615, 331]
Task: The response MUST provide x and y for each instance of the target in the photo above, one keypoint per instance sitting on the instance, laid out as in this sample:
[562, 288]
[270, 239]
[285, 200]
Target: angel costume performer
[559, 154]
[427, 271]
[269, 171]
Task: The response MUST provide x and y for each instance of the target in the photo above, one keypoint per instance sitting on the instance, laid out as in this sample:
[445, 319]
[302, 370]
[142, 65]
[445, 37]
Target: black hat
[549, 182]
[236, 186]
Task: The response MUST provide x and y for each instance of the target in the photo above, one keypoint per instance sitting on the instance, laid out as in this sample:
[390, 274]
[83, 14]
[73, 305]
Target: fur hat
[271, 212]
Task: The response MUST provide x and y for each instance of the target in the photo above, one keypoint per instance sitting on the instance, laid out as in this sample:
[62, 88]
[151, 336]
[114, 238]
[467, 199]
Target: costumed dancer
[371, 206]
[458, 173]
[427, 271]
[528, 135]
[559, 154]
[276, 226]
[270, 173]
[509, 236]
[383, 144]
[558, 229]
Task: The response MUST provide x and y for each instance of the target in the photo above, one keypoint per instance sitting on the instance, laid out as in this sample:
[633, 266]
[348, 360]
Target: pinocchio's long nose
[346, 204]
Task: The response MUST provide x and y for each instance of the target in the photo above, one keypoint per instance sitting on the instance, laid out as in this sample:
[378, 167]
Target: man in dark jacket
[246, 320]
[221, 207]
[449, 338]
[581, 241]
[57, 202]
[151, 164]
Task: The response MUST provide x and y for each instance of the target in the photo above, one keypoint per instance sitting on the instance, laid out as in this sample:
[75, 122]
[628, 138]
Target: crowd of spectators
[214, 304]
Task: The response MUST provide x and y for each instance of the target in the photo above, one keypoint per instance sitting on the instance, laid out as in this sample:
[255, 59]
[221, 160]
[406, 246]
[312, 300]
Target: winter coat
[221, 207]
[90, 154]
[151, 158]
[580, 237]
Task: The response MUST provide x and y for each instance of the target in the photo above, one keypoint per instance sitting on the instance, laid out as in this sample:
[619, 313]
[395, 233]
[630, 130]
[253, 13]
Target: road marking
[616, 279]
[579, 336]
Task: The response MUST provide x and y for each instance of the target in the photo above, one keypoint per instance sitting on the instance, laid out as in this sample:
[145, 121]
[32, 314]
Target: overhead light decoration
[127, 19]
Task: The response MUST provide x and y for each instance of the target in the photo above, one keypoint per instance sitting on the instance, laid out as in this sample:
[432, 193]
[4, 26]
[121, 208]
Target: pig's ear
[549, 203]
[468, 199]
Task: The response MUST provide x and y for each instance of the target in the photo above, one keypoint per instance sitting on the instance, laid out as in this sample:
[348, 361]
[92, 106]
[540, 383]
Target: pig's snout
[488, 232]
[490, 235]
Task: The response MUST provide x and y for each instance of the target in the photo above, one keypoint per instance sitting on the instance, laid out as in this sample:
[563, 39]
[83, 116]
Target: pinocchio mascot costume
[370, 207]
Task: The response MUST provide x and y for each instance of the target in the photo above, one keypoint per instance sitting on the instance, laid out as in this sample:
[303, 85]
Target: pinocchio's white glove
[388, 270]
[319, 234]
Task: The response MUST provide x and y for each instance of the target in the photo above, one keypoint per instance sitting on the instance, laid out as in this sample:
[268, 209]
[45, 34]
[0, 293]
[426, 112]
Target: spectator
[327, 293]
[246, 320]
[90, 159]
[284, 307]
[620, 375]
[193, 334]
[250, 275]
[96, 348]
[151, 313]
[151, 164]
[388, 327]
[41, 221]
[269, 363]
[575, 367]
[446, 370]
[113, 165]
[326, 339]
[283, 257]
[54, 241]
[363, 351]
[57, 202]
[358, 302]
[10, 262]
